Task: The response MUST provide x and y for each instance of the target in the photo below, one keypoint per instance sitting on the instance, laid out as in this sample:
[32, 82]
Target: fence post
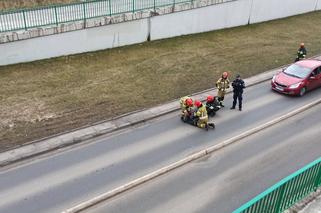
[110, 8]
[279, 199]
[154, 5]
[24, 19]
[56, 16]
[84, 9]
[133, 6]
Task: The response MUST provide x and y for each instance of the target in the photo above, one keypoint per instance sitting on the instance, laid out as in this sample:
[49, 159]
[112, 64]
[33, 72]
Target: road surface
[231, 176]
[58, 181]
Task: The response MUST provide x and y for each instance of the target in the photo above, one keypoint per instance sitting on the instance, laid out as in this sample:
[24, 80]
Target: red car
[298, 78]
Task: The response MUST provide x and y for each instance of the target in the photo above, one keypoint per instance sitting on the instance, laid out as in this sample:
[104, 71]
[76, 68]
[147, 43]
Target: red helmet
[197, 103]
[210, 98]
[189, 102]
[225, 74]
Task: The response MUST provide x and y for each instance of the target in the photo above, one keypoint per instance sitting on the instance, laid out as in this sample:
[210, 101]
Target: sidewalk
[310, 204]
[313, 203]
[313, 207]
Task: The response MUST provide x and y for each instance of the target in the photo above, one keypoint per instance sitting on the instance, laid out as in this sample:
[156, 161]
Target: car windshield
[297, 71]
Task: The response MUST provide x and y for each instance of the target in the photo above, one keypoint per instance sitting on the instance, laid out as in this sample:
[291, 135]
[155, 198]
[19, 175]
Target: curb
[184, 161]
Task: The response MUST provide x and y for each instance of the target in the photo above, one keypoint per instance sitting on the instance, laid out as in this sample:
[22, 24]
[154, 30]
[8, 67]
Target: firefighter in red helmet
[222, 85]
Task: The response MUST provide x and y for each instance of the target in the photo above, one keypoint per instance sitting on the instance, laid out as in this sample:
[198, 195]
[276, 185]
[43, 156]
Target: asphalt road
[231, 176]
[58, 181]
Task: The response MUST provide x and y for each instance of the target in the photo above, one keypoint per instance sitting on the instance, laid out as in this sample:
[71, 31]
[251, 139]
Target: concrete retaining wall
[318, 7]
[224, 15]
[79, 41]
[204, 19]
[263, 10]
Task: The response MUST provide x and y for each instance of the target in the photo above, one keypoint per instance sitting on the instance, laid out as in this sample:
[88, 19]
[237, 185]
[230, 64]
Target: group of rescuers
[196, 113]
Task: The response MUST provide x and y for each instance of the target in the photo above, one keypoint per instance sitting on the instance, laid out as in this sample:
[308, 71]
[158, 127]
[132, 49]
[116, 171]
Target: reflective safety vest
[202, 113]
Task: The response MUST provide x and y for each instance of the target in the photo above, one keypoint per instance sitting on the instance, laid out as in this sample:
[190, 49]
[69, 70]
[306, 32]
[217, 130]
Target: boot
[212, 125]
[206, 127]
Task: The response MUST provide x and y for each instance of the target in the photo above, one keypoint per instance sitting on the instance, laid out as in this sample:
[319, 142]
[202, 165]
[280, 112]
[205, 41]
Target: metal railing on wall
[287, 192]
[25, 19]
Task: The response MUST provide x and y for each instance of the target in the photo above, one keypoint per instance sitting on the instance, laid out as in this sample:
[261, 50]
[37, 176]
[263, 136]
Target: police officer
[302, 52]
[238, 86]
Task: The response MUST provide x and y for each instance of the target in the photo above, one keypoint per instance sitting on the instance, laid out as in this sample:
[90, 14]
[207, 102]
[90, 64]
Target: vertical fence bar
[279, 199]
[84, 10]
[133, 6]
[56, 15]
[318, 178]
[109, 7]
[154, 5]
[24, 19]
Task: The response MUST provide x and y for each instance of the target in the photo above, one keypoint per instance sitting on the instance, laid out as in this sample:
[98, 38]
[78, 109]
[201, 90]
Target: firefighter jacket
[222, 85]
[302, 52]
[201, 113]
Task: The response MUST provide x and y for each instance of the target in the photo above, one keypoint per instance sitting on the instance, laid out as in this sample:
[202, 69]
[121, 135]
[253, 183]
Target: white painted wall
[204, 19]
[92, 39]
[318, 7]
[264, 10]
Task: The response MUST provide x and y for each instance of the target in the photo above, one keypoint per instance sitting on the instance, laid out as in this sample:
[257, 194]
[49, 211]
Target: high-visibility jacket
[182, 102]
[302, 52]
[223, 84]
[202, 113]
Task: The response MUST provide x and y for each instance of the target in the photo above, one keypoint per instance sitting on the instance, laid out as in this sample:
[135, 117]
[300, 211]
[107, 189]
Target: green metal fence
[287, 192]
[57, 14]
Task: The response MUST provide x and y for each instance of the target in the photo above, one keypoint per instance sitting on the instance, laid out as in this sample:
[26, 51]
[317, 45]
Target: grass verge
[45, 97]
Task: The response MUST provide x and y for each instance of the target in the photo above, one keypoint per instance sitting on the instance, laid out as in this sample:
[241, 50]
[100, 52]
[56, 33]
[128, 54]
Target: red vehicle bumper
[285, 90]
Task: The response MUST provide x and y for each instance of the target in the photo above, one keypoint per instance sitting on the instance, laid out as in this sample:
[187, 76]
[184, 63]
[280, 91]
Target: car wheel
[302, 91]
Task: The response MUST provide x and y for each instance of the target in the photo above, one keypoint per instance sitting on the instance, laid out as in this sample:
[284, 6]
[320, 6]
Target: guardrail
[25, 19]
[287, 192]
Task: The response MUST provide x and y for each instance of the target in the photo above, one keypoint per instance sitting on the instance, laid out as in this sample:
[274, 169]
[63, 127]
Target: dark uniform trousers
[238, 86]
[237, 96]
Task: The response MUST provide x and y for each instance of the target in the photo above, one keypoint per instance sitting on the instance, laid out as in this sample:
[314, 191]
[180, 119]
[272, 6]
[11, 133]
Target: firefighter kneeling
[201, 117]
[187, 109]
